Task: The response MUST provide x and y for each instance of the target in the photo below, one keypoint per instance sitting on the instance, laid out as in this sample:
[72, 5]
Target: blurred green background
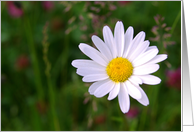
[40, 90]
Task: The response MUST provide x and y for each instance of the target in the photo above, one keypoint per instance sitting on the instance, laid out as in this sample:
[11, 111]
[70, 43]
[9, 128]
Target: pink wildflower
[22, 62]
[133, 112]
[48, 5]
[174, 78]
[14, 9]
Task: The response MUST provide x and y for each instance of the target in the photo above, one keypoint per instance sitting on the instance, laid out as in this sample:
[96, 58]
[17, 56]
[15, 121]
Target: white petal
[151, 47]
[157, 59]
[86, 63]
[144, 99]
[114, 92]
[119, 38]
[139, 38]
[103, 48]
[123, 97]
[104, 89]
[135, 79]
[93, 54]
[109, 40]
[150, 79]
[132, 90]
[139, 50]
[94, 77]
[88, 71]
[128, 40]
[95, 86]
[145, 57]
[145, 69]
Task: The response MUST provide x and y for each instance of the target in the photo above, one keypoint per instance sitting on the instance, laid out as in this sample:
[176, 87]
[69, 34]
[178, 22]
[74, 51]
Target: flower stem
[143, 118]
[31, 45]
[175, 22]
[49, 81]
[52, 104]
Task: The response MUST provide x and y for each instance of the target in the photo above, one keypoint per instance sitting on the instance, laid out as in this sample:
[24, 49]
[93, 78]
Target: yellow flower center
[119, 69]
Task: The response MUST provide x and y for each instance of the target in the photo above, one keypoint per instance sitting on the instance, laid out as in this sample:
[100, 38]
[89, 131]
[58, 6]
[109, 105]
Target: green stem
[52, 104]
[54, 119]
[30, 42]
[154, 105]
[155, 97]
[175, 22]
[143, 118]
[37, 75]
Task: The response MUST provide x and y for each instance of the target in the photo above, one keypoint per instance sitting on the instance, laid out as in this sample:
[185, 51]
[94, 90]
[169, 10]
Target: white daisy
[119, 65]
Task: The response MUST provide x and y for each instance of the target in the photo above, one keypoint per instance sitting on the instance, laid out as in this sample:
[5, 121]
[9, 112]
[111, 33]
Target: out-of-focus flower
[133, 112]
[161, 32]
[48, 5]
[14, 9]
[112, 7]
[102, 3]
[174, 78]
[87, 98]
[90, 121]
[120, 66]
[99, 119]
[22, 62]
[57, 24]
[41, 107]
[124, 2]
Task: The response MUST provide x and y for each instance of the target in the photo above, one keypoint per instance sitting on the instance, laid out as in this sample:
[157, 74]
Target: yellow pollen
[119, 69]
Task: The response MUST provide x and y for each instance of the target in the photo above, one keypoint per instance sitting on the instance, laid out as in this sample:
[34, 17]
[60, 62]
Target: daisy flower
[120, 65]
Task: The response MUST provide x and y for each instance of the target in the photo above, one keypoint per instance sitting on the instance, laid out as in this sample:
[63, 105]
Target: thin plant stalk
[143, 117]
[175, 22]
[31, 45]
[49, 81]
[35, 64]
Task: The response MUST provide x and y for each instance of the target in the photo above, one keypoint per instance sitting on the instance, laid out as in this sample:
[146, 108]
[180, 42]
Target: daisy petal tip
[93, 37]
[109, 99]
[143, 33]
[118, 22]
[83, 79]
[81, 46]
[73, 63]
[105, 28]
[166, 56]
[125, 111]
[97, 96]
[159, 81]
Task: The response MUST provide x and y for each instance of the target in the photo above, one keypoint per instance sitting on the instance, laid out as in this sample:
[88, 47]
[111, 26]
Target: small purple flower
[133, 112]
[14, 9]
[22, 62]
[174, 78]
[48, 5]
[124, 2]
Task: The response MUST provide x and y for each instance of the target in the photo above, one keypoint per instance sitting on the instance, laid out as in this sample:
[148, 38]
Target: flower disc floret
[119, 69]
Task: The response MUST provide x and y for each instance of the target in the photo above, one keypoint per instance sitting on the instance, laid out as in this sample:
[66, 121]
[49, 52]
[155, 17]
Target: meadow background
[40, 89]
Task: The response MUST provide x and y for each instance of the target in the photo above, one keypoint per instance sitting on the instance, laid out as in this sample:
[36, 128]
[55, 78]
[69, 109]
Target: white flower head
[120, 65]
